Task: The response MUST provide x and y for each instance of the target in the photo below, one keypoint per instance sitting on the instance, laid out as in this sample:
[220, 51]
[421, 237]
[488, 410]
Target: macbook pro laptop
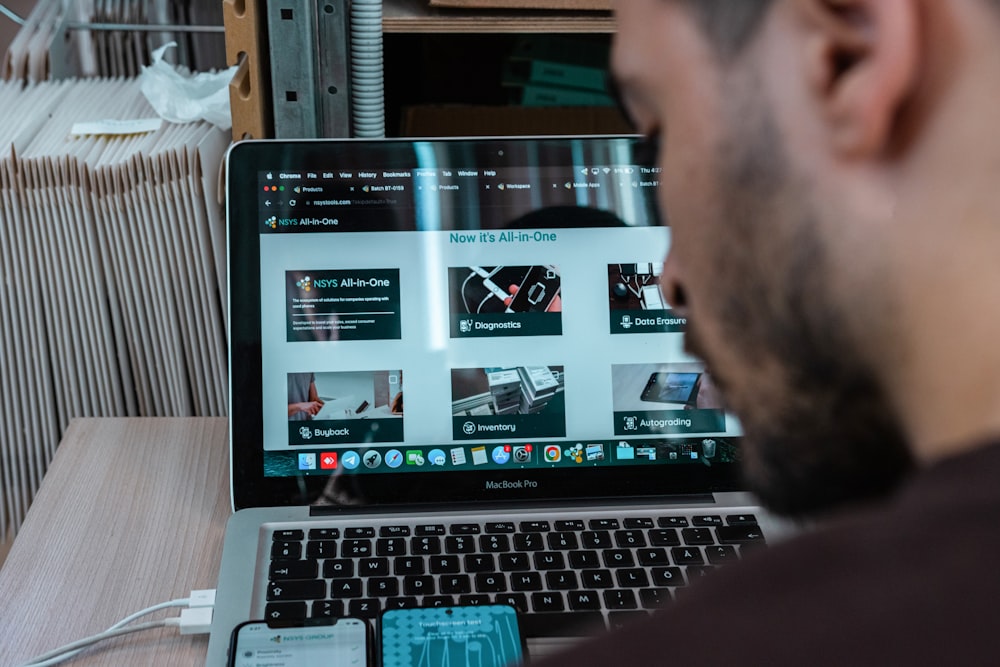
[454, 381]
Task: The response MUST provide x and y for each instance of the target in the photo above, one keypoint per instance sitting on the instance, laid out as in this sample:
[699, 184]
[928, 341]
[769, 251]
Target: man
[831, 169]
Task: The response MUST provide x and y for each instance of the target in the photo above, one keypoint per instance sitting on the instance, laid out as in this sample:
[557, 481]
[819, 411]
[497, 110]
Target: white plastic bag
[184, 98]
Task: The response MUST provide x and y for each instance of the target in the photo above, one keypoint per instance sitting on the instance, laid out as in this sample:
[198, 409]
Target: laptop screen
[459, 320]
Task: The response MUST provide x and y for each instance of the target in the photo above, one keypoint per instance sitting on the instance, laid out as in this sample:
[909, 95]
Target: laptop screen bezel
[250, 486]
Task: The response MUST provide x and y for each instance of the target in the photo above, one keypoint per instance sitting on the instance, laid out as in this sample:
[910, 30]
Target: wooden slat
[131, 513]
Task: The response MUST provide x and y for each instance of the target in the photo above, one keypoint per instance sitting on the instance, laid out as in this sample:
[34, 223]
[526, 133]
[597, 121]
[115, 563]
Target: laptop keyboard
[566, 576]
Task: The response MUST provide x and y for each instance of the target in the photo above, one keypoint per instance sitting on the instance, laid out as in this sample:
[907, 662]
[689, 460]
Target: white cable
[199, 600]
[11, 15]
[69, 650]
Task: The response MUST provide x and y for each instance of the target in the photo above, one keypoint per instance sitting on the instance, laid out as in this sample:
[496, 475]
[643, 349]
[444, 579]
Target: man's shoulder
[903, 583]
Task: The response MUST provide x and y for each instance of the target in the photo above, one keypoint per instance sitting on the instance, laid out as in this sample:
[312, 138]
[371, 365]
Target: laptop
[454, 381]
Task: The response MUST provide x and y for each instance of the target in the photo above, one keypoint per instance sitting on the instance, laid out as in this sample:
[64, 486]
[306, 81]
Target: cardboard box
[587, 5]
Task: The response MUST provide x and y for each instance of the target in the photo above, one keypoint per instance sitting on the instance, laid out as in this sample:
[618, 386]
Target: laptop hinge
[492, 507]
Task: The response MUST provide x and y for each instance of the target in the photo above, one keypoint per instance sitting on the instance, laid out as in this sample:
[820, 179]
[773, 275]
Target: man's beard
[819, 432]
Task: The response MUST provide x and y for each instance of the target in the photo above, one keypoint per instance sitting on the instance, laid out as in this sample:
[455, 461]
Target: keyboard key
[513, 562]
[619, 558]
[632, 578]
[528, 542]
[459, 544]
[720, 554]
[356, 548]
[494, 543]
[652, 557]
[699, 571]
[535, 526]
[324, 534]
[639, 522]
[562, 624]
[491, 582]
[620, 599]
[630, 539]
[547, 602]
[619, 619]
[321, 549]
[359, 532]
[526, 581]
[650, 598]
[474, 600]
[383, 587]
[286, 551]
[431, 529]
[373, 567]
[500, 527]
[296, 589]
[293, 569]
[392, 546]
[564, 580]
[604, 524]
[687, 556]
[549, 560]
[672, 522]
[582, 560]
[712, 520]
[596, 539]
[364, 608]
[597, 579]
[284, 611]
[346, 588]
[570, 524]
[697, 536]
[439, 601]
[339, 568]
[516, 600]
[288, 536]
[327, 609]
[419, 585]
[408, 565]
[465, 529]
[455, 584]
[444, 565]
[667, 576]
[740, 534]
[562, 541]
[394, 531]
[664, 537]
[741, 519]
[425, 546]
[584, 600]
[401, 603]
[480, 563]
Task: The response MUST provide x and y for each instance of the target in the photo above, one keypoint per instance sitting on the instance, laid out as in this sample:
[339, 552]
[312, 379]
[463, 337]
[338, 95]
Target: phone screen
[324, 643]
[671, 387]
[482, 635]
[535, 293]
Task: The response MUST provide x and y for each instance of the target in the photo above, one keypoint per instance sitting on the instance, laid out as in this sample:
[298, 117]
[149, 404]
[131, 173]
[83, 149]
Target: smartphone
[327, 642]
[482, 635]
[672, 388]
[535, 293]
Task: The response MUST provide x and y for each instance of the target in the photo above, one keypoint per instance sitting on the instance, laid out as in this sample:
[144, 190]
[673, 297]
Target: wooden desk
[131, 513]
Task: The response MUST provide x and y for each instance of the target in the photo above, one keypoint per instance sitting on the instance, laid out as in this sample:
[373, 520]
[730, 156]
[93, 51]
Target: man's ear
[862, 59]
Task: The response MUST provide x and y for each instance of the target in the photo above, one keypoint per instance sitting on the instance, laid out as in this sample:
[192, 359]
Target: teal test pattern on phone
[478, 636]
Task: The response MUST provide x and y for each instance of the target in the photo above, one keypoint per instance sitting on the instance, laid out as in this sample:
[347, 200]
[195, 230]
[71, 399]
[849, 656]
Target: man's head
[787, 131]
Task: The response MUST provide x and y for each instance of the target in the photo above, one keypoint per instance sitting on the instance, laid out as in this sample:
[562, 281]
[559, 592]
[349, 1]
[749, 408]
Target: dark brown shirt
[915, 581]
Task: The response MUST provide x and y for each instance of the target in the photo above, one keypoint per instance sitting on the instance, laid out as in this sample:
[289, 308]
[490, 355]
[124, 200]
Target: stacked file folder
[113, 267]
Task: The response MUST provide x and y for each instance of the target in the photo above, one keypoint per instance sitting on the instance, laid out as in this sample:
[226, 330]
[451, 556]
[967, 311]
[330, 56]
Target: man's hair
[729, 24]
